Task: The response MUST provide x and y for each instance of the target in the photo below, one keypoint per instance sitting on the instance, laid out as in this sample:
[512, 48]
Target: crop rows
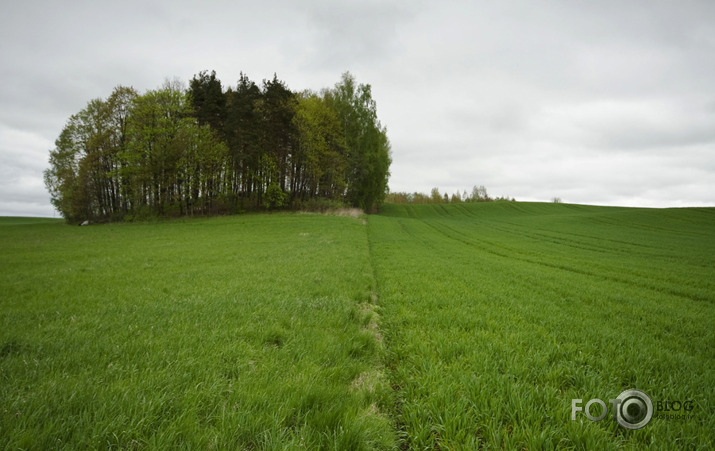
[497, 316]
[459, 326]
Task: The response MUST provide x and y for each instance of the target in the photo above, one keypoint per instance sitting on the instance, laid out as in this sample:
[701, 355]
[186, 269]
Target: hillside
[498, 315]
[458, 325]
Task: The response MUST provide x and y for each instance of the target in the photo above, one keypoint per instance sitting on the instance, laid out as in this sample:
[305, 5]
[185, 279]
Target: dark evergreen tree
[208, 100]
[277, 112]
[243, 136]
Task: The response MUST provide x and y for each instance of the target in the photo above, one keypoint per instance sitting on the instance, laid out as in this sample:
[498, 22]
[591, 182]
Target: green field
[497, 315]
[438, 326]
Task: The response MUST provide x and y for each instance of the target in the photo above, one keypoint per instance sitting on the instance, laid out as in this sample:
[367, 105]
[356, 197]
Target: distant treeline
[209, 150]
[478, 194]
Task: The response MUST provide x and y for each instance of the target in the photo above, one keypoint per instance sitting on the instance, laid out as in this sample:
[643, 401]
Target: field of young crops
[437, 326]
[497, 315]
[249, 331]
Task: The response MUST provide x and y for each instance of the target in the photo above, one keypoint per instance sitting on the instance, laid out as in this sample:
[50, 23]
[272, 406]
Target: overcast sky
[595, 102]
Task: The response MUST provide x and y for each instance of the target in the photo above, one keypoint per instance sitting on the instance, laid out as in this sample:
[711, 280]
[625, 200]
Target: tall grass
[243, 332]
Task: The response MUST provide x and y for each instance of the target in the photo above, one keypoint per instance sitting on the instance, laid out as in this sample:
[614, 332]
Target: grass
[439, 326]
[22, 220]
[241, 332]
[497, 315]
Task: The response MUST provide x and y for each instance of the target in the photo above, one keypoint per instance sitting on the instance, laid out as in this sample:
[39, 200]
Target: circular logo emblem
[635, 409]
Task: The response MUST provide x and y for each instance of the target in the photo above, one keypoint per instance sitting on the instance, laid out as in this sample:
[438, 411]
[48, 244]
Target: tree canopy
[201, 150]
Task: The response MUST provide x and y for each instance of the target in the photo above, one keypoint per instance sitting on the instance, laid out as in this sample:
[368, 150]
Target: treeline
[204, 149]
[478, 194]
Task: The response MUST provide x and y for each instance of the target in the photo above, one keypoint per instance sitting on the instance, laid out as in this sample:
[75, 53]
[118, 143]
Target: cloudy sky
[605, 102]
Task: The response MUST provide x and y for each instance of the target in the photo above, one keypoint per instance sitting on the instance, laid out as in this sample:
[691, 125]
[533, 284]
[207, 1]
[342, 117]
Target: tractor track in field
[513, 254]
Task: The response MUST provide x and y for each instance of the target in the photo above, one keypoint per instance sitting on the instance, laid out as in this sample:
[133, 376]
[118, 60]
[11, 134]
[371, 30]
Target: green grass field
[497, 315]
[439, 326]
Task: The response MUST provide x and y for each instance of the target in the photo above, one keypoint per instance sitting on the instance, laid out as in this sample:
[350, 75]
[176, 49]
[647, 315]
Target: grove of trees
[478, 194]
[209, 150]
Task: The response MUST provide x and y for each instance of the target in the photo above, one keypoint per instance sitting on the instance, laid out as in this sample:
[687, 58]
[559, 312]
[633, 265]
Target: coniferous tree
[208, 100]
[243, 136]
[278, 109]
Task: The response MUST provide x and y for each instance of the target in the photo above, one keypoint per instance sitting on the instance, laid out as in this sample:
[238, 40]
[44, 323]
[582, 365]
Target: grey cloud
[346, 35]
[23, 158]
[643, 124]
[31, 209]
[596, 102]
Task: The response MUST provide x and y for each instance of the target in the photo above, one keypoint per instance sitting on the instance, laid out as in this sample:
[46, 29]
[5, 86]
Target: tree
[176, 166]
[120, 105]
[320, 154]
[61, 177]
[420, 198]
[277, 112]
[153, 152]
[436, 196]
[208, 100]
[84, 178]
[275, 196]
[243, 132]
[479, 194]
[368, 149]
